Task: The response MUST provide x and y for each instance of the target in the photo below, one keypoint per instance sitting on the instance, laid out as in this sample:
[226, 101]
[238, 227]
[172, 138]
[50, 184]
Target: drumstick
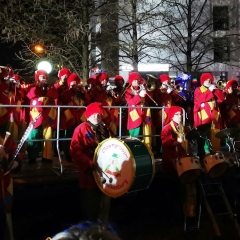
[6, 137]
[109, 178]
[102, 179]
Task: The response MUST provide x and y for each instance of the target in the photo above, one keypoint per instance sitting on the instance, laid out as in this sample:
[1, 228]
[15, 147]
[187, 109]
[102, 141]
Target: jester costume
[6, 187]
[48, 119]
[172, 151]
[138, 118]
[206, 110]
[84, 142]
[72, 117]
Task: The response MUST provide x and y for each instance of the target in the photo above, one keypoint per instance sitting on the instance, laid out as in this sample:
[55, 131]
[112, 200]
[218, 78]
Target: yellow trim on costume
[202, 115]
[134, 115]
[68, 115]
[181, 134]
[203, 89]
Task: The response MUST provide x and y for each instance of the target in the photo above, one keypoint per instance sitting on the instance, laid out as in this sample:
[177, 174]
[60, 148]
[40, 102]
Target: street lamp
[39, 48]
[45, 65]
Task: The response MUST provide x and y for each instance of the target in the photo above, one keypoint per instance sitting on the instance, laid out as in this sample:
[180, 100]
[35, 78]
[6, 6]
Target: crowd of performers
[204, 103]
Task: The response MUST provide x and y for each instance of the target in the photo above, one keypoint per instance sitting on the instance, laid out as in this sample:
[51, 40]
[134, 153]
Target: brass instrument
[151, 82]
[142, 87]
[176, 89]
[109, 89]
[221, 85]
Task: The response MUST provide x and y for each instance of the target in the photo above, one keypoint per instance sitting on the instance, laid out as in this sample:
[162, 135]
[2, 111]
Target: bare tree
[64, 28]
[191, 37]
[139, 23]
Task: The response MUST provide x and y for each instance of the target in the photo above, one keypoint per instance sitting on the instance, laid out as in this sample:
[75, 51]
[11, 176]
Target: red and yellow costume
[6, 185]
[74, 96]
[163, 99]
[99, 94]
[84, 142]
[230, 107]
[206, 108]
[173, 150]
[136, 114]
[47, 96]
[138, 117]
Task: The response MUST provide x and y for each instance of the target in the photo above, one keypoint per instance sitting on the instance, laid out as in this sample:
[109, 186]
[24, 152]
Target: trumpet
[221, 85]
[151, 82]
[142, 87]
[109, 90]
[176, 89]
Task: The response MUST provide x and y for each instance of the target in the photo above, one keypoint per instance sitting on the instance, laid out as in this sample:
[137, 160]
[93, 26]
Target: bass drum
[126, 165]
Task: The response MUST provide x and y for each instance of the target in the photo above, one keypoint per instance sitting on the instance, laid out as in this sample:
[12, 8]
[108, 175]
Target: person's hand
[142, 93]
[14, 165]
[169, 90]
[212, 87]
[179, 139]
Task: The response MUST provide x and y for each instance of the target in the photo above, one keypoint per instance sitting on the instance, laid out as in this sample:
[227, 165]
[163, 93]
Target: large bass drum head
[115, 165]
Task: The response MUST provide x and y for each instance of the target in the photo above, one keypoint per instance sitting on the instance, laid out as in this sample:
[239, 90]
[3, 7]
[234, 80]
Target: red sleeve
[166, 137]
[52, 93]
[82, 139]
[32, 93]
[219, 94]
[132, 99]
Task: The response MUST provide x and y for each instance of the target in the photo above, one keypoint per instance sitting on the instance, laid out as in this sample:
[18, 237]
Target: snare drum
[189, 169]
[215, 164]
[127, 165]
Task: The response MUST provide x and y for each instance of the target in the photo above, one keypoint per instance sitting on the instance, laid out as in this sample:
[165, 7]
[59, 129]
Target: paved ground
[46, 203]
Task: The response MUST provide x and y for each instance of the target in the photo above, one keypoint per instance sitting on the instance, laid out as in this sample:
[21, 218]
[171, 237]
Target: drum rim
[151, 155]
[132, 158]
[149, 151]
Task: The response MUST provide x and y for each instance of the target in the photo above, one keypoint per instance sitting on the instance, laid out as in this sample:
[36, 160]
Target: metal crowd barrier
[58, 107]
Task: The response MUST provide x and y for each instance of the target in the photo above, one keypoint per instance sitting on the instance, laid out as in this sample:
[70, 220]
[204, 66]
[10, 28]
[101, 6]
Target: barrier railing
[59, 107]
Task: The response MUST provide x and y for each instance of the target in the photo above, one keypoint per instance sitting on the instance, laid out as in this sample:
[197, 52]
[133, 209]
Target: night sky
[7, 55]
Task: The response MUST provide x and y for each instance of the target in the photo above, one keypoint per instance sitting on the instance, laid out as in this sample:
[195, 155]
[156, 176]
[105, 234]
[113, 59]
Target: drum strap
[181, 134]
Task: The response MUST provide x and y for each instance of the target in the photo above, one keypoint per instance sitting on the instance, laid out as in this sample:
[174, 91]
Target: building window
[221, 50]
[220, 18]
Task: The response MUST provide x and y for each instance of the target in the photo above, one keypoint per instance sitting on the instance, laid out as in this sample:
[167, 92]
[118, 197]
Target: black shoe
[32, 161]
[46, 160]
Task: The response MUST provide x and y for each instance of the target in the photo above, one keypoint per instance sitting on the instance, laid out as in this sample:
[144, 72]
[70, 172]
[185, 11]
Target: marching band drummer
[175, 146]
[206, 110]
[7, 150]
[85, 139]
